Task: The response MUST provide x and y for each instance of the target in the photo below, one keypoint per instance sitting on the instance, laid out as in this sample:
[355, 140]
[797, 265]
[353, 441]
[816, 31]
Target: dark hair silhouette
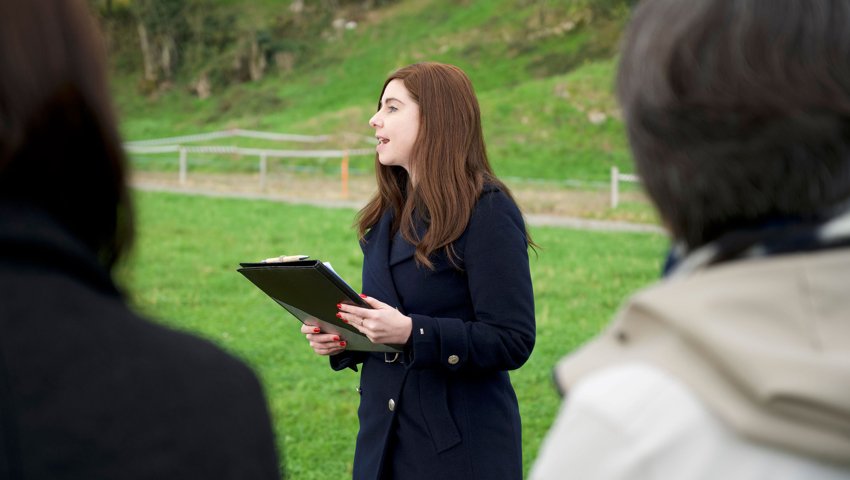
[738, 112]
[59, 146]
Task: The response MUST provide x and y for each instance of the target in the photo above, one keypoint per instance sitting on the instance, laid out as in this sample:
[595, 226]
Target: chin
[387, 162]
[392, 162]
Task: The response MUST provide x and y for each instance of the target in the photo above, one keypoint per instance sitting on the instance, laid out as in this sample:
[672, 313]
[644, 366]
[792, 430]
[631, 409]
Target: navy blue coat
[455, 413]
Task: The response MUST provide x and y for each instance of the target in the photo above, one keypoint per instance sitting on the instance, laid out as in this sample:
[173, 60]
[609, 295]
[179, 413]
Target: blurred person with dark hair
[87, 388]
[737, 365]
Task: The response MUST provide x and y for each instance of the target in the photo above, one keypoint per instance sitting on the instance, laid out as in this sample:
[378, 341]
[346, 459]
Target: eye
[392, 109]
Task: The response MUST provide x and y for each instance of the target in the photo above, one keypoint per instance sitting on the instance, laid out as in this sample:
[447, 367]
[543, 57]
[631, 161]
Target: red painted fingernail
[338, 305]
[336, 339]
[341, 344]
[317, 330]
[339, 315]
[344, 320]
[364, 296]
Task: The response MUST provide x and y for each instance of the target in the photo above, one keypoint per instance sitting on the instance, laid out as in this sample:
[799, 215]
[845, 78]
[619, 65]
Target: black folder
[310, 291]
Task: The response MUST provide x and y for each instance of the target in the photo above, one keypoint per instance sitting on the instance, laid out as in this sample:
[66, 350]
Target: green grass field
[183, 273]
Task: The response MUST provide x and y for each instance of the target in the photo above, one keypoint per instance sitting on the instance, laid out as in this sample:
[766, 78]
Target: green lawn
[183, 273]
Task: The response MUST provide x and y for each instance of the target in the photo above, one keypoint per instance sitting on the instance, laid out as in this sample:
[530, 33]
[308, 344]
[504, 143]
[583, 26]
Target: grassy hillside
[542, 70]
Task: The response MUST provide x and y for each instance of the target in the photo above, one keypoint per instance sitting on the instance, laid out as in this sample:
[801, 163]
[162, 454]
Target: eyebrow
[391, 99]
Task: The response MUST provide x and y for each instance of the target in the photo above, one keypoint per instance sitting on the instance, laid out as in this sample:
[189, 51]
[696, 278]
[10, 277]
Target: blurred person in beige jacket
[737, 364]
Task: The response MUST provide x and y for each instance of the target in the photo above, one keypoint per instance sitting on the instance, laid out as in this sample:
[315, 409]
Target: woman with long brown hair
[446, 272]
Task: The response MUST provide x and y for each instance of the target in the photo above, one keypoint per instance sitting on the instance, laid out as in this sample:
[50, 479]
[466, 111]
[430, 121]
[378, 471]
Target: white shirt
[635, 421]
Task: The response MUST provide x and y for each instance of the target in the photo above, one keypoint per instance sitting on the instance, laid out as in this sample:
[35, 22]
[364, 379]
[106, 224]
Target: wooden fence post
[263, 169]
[344, 173]
[183, 163]
[615, 187]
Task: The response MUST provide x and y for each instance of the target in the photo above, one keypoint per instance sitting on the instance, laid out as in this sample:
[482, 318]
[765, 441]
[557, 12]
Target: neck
[410, 175]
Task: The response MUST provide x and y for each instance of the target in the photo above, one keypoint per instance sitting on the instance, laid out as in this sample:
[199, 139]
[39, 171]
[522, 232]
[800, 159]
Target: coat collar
[777, 237]
[377, 247]
[30, 236]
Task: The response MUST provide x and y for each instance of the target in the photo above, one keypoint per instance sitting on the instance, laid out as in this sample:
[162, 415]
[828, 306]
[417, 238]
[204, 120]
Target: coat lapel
[376, 259]
[405, 250]
[401, 249]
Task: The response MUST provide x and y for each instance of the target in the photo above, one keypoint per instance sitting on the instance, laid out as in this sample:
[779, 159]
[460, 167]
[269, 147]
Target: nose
[375, 121]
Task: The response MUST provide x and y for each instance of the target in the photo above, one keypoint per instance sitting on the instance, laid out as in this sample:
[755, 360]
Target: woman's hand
[384, 324]
[323, 343]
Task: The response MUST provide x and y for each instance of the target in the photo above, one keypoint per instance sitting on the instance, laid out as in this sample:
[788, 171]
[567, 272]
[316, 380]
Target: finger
[324, 338]
[328, 348]
[361, 328]
[310, 329]
[350, 318]
[354, 310]
[336, 348]
[331, 351]
[367, 328]
[374, 303]
[334, 352]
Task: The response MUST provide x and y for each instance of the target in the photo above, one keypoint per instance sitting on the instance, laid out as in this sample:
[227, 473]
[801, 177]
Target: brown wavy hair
[448, 160]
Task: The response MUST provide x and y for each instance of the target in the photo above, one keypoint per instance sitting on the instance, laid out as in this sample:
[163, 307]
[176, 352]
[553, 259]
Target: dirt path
[544, 204]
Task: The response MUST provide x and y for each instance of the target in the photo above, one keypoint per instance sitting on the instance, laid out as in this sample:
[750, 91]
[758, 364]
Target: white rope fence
[616, 178]
[238, 132]
[175, 144]
[253, 151]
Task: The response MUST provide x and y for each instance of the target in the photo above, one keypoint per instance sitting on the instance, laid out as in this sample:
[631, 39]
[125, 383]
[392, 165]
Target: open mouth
[383, 141]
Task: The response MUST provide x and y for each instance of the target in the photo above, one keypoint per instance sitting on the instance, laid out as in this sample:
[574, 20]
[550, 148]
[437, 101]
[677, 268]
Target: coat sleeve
[501, 334]
[344, 360]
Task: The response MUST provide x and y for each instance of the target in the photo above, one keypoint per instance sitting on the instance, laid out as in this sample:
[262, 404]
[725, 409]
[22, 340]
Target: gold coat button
[453, 359]
[392, 404]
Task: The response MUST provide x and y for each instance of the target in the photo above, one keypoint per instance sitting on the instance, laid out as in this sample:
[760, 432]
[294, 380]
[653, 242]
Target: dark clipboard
[310, 291]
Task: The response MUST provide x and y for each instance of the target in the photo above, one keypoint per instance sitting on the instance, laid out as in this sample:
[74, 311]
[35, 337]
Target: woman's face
[396, 125]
